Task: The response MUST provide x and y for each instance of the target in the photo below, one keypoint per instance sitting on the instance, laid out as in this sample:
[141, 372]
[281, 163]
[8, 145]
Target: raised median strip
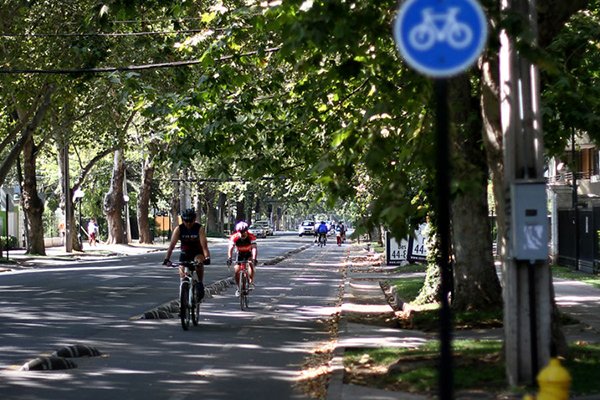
[48, 364]
[61, 358]
[171, 308]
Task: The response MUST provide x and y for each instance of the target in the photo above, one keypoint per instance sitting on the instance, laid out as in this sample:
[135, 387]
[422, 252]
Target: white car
[257, 231]
[266, 225]
[307, 227]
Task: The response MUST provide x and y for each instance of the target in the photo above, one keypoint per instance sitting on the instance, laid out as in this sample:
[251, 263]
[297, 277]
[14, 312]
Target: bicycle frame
[322, 239]
[191, 278]
[189, 307]
[243, 282]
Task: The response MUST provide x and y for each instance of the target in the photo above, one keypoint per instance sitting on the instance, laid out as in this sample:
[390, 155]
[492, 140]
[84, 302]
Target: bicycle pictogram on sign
[440, 27]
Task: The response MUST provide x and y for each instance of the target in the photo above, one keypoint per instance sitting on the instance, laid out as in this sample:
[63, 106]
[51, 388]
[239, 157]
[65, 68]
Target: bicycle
[322, 239]
[189, 301]
[243, 283]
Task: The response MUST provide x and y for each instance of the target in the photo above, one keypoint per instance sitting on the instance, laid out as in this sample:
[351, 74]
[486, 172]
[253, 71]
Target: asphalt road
[256, 354]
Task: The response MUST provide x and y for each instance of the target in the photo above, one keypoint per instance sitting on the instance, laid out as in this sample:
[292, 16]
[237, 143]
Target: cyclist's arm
[254, 251]
[174, 240]
[230, 249]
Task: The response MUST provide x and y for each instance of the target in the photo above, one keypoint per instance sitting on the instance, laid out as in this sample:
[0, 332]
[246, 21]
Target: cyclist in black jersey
[194, 245]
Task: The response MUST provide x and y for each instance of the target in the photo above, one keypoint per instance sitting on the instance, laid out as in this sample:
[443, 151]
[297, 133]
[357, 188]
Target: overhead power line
[137, 21]
[230, 179]
[102, 34]
[173, 64]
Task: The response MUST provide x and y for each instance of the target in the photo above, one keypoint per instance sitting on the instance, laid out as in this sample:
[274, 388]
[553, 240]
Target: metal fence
[578, 232]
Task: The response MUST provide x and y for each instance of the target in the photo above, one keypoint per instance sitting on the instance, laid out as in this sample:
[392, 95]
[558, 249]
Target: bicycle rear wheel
[184, 306]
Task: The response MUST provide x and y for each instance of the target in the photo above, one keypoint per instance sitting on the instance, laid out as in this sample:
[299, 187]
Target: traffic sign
[440, 38]
[395, 253]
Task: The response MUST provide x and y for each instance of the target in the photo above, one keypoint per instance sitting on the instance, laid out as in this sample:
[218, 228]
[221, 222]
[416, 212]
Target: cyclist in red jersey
[245, 242]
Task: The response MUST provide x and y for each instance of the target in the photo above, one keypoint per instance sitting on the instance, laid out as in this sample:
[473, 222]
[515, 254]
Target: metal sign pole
[443, 221]
[441, 52]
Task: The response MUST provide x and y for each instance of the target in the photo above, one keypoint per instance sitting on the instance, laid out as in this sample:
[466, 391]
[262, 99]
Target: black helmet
[188, 215]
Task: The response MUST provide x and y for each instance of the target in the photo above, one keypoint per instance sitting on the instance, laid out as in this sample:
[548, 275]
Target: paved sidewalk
[58, 255]
[364, 297]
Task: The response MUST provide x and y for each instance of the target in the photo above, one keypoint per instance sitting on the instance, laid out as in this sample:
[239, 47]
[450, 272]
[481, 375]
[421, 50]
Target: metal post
[80, 226]
[6, 210]
[126, 216]
[575, 200]
[443, 220]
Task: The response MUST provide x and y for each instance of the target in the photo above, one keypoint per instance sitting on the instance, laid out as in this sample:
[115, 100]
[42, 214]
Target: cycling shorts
[244, 256]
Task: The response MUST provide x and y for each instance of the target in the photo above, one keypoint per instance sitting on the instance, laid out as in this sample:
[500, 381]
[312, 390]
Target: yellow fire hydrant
[554, 382]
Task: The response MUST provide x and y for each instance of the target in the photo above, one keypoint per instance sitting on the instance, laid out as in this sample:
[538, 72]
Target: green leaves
[571, 91]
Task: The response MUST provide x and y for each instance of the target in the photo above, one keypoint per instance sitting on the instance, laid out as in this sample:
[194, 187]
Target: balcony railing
[566, 178]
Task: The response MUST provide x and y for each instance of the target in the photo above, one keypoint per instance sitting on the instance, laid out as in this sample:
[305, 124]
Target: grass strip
[478, 365]
[570, 274]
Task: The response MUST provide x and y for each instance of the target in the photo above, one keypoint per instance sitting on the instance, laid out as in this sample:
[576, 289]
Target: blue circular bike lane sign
[440, 38]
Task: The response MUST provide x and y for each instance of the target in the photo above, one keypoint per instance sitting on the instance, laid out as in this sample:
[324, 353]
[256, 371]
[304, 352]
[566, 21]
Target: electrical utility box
[529, 221]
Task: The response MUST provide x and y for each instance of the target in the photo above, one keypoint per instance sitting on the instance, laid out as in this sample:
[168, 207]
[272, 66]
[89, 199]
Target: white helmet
[241, 226]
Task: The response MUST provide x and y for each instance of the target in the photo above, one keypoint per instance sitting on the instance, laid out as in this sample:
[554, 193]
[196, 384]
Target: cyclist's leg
[182, 259]
[251, 271]
[237, 273]
[200, 269]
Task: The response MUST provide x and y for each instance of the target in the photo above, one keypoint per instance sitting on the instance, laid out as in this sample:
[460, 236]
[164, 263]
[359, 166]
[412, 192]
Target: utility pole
[526, 274]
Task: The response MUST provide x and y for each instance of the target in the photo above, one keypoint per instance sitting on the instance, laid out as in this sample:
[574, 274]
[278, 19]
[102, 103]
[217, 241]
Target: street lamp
[78, 196]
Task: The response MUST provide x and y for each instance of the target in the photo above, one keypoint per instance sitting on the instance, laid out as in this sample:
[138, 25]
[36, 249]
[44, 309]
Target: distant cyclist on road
[245, 242]
[341, 228]
[322, 230]
[194, 246]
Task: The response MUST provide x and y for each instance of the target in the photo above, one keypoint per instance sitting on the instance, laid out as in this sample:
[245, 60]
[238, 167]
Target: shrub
[12, 242]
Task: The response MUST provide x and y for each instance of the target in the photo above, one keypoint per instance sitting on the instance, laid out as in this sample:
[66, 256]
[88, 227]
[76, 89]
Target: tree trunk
[114, 202]
[143, 205]
[222, 215]
[33, 206]
[27, 131]
[240, 212]
[78, 236]
[212, 216]
[431, 292]
[476, 284]
[175, 208]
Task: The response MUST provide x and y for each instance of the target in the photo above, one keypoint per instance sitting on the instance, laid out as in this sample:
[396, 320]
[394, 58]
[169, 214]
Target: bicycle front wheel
[184, 306]
[195, 309]
[243, 291]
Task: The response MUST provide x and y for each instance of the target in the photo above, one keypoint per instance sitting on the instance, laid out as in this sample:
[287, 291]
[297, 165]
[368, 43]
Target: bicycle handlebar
[170, 264]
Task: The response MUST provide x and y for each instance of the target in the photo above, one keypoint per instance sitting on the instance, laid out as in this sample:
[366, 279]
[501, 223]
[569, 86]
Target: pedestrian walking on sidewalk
[92, 230]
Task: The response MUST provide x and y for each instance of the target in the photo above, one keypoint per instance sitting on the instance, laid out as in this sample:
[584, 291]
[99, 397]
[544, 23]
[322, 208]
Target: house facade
[574, 202]
[10, 222]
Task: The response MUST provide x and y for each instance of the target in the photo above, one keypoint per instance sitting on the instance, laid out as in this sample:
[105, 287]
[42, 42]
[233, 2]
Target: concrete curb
[336, 382]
